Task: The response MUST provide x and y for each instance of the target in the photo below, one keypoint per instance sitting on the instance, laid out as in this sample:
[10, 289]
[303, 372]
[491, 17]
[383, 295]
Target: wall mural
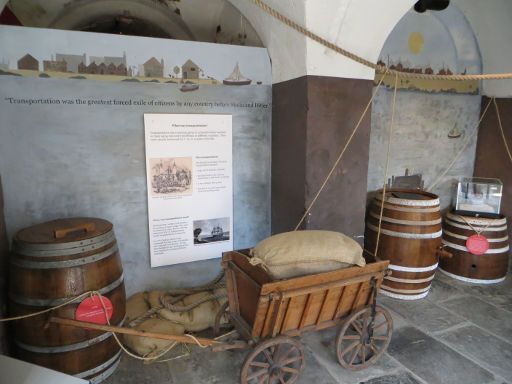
[432, 118]
[142, 61]
[440, 43]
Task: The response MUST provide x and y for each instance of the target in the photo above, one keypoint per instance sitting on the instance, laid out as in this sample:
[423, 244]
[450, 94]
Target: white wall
[362, 26]
[286, 47]
[359, 26]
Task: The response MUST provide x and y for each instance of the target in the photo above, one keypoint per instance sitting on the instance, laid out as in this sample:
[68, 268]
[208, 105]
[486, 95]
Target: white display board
[190, 186]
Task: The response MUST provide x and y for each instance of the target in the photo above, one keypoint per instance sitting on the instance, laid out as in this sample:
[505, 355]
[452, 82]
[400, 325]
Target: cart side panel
[295, 309]
[243, 283]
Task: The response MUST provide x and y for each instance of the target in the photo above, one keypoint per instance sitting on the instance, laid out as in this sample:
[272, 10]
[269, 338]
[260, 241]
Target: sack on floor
[136, 306]
[145, 346]
[197, 319]
[308, 252]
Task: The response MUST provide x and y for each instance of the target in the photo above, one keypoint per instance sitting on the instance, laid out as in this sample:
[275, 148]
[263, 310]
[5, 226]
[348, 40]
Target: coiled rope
[377, 67]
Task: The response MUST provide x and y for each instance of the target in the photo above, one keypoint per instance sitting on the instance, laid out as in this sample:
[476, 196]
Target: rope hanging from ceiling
[378, 68]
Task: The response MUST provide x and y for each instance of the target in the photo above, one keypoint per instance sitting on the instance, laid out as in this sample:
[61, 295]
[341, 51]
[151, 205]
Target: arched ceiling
[200, 20]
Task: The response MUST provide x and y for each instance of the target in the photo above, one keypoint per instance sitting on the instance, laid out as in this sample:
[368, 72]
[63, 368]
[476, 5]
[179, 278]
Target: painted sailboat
[236, 78]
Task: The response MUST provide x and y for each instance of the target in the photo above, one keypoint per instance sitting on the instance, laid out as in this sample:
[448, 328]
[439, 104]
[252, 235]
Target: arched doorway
[433, 119]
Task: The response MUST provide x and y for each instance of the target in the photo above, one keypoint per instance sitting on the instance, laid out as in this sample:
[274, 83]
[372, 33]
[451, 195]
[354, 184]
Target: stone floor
[460, 333]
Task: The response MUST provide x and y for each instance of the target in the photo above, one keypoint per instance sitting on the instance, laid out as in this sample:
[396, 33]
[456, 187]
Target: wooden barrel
[489, 268]
[51, 263]
[410, 237]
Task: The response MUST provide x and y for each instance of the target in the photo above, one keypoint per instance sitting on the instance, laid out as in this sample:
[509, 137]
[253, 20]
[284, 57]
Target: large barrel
[51, 263]
[410, 237]
[489, 268]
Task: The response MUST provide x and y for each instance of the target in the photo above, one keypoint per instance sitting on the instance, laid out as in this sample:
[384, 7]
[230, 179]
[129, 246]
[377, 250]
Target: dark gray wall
[313, 118]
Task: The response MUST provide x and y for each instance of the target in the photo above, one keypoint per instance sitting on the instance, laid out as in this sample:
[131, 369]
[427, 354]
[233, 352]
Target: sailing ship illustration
[236, 78]
[217, 232]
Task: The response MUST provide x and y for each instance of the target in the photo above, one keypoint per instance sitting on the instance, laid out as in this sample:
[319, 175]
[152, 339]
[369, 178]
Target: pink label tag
[477, 244]
[91, 310]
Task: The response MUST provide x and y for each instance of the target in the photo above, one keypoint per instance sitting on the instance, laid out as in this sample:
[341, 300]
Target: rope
[392, 123]
[478, 232]
[378, 68]
[501, 129]
[463, 148]
[21, 317]
[164, 300]
[340, 156]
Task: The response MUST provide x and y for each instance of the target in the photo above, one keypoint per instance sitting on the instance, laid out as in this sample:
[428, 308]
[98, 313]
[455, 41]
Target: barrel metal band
[395, 290]
[53, 302]
[474, 281]
[408, 202]
[490, 251]
[69, 347]
[404, 297]
[105, 374]
[63, 263]
[406, 222]
[411, 210]
[476, 220]
[412, 269]
[409, 281]
[496, 240]
[99, 368]
[484, 229]
[405, 235]
[62, 249]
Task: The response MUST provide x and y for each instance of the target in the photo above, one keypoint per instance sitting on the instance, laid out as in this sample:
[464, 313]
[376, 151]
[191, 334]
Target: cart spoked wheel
[220, 314]
[275, 361]
[364, 337]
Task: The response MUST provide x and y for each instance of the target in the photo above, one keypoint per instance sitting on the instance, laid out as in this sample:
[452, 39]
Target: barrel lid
[63, 231]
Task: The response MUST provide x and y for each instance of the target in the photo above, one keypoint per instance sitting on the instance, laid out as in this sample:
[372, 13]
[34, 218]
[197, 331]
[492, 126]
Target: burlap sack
[145, 346]
[308, 252]
[136, 306]
[197, 319]
[154, 298]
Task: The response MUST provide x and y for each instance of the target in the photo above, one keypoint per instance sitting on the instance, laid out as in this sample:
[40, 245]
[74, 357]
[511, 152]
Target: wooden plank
[358, 296]
[130, 331]
[241, 259]
[295, 308]
[278, 316]
[313, 327]
[320, 312]
[325, 286]
[287, 313]
[232, 292]
[340, 303]
[331, 304]
[268, 319]
[259, 321]
[323, 278]
[305, 312]
[241, 326]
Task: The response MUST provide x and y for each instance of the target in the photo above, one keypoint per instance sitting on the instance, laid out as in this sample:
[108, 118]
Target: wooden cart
[269, 313]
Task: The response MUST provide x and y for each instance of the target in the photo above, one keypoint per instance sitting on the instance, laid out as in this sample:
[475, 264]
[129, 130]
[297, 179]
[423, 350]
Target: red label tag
[477, 244]
[91, 310]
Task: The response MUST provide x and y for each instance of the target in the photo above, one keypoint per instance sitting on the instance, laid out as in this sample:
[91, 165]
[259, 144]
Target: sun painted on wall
[435, 43]
[416, 42]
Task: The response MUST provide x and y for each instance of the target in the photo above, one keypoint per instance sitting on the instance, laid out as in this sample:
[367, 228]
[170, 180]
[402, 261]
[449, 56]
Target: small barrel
[489, 268]
[51, 263]
[410, 236]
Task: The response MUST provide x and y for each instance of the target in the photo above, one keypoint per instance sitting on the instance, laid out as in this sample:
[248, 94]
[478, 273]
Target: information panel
[190, 186]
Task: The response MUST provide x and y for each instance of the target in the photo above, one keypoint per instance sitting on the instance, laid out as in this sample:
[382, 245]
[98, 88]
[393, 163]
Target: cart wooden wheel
[220, 314]
[362, 340]
[274, 361]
